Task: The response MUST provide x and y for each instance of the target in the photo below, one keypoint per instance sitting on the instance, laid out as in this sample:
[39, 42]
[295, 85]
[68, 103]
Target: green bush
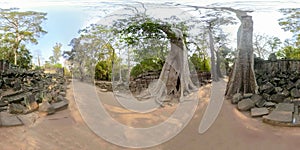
[200, 64]
[102, 71]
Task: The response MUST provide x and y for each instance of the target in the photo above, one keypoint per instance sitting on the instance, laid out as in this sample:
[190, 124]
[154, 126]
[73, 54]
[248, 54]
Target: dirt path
[232, 130]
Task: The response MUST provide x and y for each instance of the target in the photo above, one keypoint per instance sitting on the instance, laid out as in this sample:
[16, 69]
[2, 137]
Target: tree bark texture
[174, 80]
[214, 74]
[242, 78]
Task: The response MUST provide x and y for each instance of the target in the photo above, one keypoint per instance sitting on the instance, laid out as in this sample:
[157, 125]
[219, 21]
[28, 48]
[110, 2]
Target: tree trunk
[242, 77]
[218, 65]
[174, 80]
[212, 60]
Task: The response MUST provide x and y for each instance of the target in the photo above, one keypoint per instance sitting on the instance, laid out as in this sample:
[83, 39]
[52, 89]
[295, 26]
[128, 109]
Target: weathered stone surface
[295, 93]
[16, 108]
[28, 88]
[272, 57]
[247, 95]
[280, 116]
[62, 94]
[45, 107]
[278, 89]
[28, 119]
[285, 92]
[60, 98]
[297, 84]
[7, 120]
[257, 112]
[290, 85]
[266, 96]
[104, 85]
[60, 105]
[289, 107]
[17, 85]
[236, 98]
[260, 103]
[288, 100]
[267, 88]
[278, 98]
[245, 104]
[269, 104]
[258, 100]
[32, 106]
[3, 104]
[103, 90]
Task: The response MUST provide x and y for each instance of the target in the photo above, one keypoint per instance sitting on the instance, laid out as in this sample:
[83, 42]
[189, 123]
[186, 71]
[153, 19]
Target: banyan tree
[175, 80]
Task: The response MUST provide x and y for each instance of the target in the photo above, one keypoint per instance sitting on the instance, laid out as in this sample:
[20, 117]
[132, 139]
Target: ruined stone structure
[278, 97]
[142, 81]
[23, 92]
[4, 65]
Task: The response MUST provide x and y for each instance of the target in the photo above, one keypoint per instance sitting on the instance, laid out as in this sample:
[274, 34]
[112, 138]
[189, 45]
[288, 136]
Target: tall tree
[175, 74]
[274, 43]
[264, 45]
[56, 53]
[19, 27]
[242, 78]
[214, 20]
[260, 45]
[92, 49]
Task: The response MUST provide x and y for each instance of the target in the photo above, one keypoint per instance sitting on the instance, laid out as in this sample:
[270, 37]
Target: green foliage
[67, 73]
[199, 63]
[56, 53]
[102, 71]
[58, 65]
[291, 22]
[16, 29]
[149, 64]
[37, 68]
[289, 52]
[92, 53]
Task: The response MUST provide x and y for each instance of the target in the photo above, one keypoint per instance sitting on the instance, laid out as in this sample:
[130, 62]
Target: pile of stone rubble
[278, 98]
[23, 92]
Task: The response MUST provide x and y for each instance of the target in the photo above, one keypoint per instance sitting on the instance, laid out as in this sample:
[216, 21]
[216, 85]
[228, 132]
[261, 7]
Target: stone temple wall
[4, 65]
[278, 98]
[143, 80]
[282, 65]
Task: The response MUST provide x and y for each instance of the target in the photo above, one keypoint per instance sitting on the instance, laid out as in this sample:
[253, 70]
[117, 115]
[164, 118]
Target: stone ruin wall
[4, 65]
[278, 97]
[142, 81]
[282, 65]
[23, 93]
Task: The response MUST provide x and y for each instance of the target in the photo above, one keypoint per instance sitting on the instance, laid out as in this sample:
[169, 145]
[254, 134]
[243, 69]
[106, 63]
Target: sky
[66, 17]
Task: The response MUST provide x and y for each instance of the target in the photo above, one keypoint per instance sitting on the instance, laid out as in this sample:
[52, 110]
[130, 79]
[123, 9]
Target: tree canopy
[16, 29]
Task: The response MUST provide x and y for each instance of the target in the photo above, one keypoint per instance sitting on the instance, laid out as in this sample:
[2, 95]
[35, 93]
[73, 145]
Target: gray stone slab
[280, 116]
[257, 112]
[8, 120]
[245, 104]
[29, 119]
[269, 104]
[289, 107]
[60, 105]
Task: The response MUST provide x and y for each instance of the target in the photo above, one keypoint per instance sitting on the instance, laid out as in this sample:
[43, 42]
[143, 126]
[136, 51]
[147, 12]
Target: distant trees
[214, 20]
[92, 54]
[264, 45]
[54, 59]
[16, 29]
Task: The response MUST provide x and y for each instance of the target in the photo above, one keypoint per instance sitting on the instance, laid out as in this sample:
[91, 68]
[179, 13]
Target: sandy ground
[232, 130]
